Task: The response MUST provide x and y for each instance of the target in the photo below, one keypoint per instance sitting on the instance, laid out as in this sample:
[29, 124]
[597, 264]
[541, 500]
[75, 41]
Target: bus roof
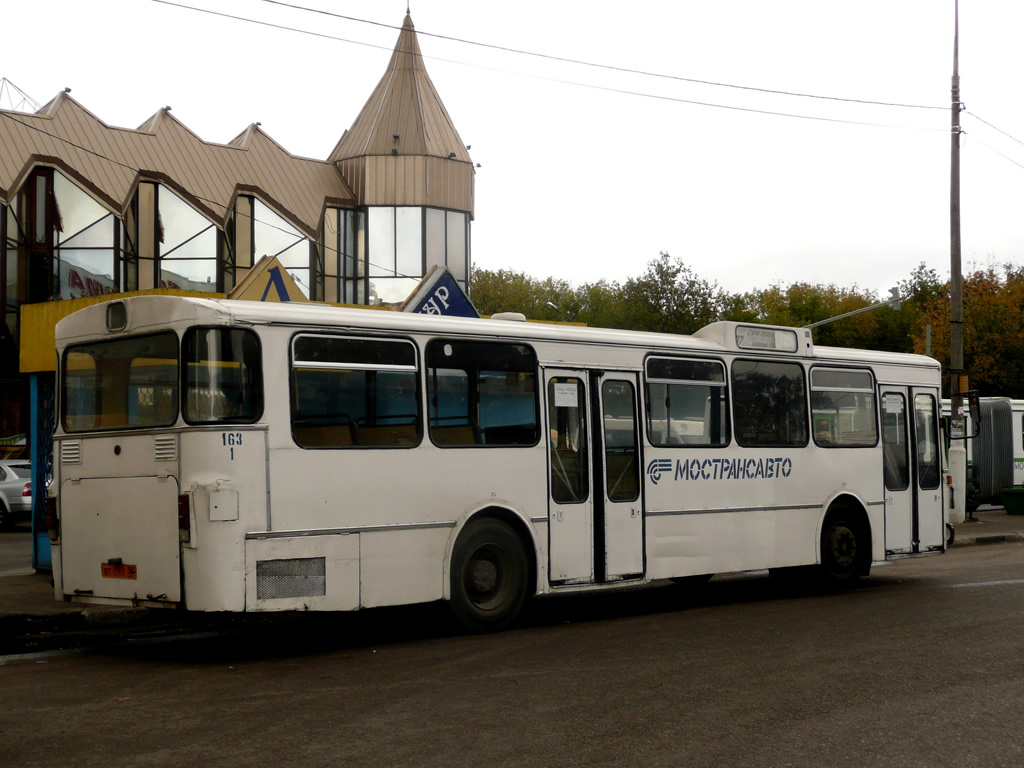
[146, 314]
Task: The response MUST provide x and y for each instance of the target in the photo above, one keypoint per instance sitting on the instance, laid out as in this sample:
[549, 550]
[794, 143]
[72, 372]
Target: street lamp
[554, 306]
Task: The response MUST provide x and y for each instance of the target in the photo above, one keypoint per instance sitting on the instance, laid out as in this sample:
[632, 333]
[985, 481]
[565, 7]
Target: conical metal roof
[404, 116]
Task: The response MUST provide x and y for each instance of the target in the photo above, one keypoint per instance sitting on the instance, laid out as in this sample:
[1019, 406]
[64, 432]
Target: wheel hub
[483, 576]
[844, 546]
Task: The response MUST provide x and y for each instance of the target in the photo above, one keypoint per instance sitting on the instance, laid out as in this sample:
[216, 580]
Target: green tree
[670, 298]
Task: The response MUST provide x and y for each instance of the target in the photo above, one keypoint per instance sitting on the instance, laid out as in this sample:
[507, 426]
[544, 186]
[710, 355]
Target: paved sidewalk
[27, 605]
[989, 525]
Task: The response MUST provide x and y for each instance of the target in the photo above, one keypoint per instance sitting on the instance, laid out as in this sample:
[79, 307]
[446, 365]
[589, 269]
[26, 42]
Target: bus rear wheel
[844, 550]
[488, 576]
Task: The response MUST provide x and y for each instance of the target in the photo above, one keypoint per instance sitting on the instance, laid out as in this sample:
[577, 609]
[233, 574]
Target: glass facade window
[85, 242]
[447, 239]
[843, 408]
[343, 271]
[394, 252]
[273, 236]
[404, 242]
[128, 248]
[188, 245]
[13, 272]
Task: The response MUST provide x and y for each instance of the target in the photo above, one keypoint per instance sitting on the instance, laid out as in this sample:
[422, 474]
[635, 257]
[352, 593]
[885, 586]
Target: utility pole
[957, 449]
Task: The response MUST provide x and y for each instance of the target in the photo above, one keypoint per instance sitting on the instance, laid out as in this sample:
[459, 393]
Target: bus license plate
[119, 571]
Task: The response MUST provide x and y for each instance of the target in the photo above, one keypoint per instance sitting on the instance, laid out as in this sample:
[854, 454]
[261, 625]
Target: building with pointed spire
[88, 209]
[413, 176]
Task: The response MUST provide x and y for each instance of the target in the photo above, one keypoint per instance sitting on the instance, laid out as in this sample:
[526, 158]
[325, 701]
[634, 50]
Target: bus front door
[595, 511]
[913, 490]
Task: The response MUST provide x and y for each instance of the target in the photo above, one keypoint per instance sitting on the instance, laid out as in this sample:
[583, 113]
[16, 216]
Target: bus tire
[845, 550]
[488, 576]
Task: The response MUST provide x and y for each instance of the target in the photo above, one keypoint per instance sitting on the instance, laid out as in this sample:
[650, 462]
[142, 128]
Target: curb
[995, 538]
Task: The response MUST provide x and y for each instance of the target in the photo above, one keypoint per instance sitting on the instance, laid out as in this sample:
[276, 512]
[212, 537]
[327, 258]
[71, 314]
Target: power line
[597, 65]
[607, 89]
[994, 128]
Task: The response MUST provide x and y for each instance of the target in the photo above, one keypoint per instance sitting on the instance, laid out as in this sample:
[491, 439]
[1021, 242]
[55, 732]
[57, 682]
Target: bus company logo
[719, 469]
[657, 467]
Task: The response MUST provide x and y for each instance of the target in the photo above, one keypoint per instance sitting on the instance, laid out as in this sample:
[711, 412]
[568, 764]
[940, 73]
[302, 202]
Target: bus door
[595, 512]
[913, 477]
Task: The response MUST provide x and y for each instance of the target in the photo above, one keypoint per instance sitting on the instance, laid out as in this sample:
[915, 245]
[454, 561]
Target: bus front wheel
[488, 576]
[844, 549]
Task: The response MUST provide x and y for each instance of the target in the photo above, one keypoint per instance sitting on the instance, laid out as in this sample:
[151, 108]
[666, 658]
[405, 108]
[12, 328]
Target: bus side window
[481, 394]
[354, 392]
[843, 408]
[770, 404]
[687, 403]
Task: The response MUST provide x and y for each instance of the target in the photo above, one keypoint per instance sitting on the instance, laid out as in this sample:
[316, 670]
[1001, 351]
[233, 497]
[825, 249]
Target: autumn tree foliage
[993, 328]
[670, 297]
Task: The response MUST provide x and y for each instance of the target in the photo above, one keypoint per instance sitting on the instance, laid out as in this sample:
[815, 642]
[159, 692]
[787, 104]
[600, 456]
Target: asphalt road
[923, 665]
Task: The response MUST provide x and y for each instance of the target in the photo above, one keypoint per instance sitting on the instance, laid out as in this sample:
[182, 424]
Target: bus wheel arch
[845, 542]
[492, 570]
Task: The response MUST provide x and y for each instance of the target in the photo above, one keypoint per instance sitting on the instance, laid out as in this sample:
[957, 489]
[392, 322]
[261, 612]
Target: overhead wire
[611, 67]
[608, 89]
[993, 127]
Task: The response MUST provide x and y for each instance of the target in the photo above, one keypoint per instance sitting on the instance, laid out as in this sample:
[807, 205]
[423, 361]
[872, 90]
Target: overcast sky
[588, 172]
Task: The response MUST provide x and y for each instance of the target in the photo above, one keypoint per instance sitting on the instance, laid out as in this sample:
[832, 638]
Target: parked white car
[15, 492]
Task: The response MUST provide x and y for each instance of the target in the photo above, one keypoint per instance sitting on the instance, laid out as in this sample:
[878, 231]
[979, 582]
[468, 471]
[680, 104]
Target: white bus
[995, 448]
[239, 456]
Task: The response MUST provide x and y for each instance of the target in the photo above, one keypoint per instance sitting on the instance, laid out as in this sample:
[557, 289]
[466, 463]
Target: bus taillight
[52, 521]
[184, 518]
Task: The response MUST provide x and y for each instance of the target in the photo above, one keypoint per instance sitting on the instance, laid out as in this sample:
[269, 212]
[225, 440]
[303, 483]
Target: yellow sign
[268, 280]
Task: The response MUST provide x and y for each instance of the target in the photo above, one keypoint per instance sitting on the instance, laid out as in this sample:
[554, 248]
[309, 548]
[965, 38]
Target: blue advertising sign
[440, 294]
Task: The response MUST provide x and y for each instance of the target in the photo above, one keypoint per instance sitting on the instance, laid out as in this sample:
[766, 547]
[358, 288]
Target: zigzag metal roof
[109, 162]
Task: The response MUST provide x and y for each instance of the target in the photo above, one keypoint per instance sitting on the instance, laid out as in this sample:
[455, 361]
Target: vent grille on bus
[165, 447]
[297, 577]
[71, 452]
